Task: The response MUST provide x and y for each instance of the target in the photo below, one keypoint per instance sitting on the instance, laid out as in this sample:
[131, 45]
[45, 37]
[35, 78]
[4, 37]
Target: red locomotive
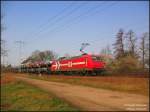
[85, 63]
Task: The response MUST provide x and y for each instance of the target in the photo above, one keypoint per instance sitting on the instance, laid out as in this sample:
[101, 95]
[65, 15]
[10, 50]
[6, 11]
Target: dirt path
[88, 98]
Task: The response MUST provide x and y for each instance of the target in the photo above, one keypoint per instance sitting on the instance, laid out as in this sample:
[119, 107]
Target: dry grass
[137, 85]
[9, 78]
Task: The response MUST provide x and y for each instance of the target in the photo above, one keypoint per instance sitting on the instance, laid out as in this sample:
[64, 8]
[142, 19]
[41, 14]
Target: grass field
[137, 85]
[19, 96]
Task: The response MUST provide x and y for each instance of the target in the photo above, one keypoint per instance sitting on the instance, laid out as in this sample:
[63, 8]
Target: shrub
[124, 65]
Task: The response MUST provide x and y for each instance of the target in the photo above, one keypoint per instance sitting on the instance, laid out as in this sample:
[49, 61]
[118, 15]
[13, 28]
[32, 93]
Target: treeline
[41, 56]
[131, 53]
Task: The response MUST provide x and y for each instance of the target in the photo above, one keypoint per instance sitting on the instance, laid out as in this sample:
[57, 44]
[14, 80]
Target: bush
[124, 65]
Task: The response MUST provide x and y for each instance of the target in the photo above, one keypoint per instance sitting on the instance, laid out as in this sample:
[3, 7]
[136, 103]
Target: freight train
[85, 64]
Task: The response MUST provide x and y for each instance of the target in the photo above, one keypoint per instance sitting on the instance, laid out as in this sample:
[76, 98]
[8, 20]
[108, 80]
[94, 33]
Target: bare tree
[147, 50]
[48, 55]
[131, 43]
[106, 54]
[119, 45]
[144, 49]
[106, 50]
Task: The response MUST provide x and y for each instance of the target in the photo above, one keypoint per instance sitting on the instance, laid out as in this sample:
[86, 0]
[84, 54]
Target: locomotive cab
[98, 62]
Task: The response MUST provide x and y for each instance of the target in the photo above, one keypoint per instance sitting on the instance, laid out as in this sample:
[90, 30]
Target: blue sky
[62, 26]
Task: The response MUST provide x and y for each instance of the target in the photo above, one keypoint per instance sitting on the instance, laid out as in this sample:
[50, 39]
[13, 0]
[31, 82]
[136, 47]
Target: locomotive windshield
[97, 58]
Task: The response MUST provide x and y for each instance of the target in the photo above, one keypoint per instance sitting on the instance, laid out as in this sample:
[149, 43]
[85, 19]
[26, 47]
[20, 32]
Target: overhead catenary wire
[51, 19]
[82, 14]
[57, 15]
[57, 20]
[78, 18]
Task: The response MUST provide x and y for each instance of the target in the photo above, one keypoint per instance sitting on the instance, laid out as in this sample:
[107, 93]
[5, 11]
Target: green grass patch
[19, 96]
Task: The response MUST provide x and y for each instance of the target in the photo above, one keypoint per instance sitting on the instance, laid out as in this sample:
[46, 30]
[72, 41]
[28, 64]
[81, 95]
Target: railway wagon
[36, 67]
[85, 64]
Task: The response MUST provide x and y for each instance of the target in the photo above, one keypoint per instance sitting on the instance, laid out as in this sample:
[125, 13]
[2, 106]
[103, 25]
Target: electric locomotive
[85, 64]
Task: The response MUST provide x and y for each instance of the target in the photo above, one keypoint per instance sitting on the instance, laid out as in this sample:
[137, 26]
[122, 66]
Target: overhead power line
[51, 19]
[87, 14]
[78, 18]
[64, 16]
[74, 19]
[60, 18]
[57, 15]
